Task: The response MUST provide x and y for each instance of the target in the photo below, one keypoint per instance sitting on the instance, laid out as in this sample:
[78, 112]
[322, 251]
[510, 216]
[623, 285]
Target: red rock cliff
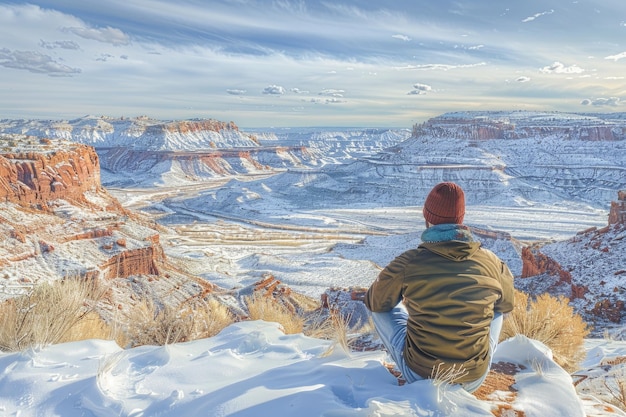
[535, 263]
[34, 178]
[617, 215]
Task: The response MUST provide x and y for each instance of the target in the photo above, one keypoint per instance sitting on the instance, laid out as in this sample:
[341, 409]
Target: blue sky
[309, 63]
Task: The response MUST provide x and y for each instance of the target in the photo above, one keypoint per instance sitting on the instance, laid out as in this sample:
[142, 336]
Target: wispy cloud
[538, 15]
[334, 100]
[110, 35]
[401, 37]
[522, 79]
[603, 102]
[332, 93]
[35, 62]
[616, 57]
[59, 45]
[235, 92]
[441, 67]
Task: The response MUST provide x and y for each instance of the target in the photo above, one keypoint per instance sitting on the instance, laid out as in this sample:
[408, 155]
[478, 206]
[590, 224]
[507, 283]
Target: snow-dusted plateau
[207, 207]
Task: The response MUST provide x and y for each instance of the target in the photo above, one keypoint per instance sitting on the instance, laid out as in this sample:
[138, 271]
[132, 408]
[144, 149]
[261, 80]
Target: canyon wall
[58, 221]
[482, 126]
[34, 177]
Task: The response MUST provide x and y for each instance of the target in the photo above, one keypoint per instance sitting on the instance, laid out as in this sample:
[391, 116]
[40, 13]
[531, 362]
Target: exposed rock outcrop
[617, 214]
[34, 177]
[535, 263]
[140, 261]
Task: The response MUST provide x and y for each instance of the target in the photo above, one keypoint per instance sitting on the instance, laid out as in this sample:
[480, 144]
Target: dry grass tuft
[265, 308]
[92, 326]
[152, 324]
[616, 387]
[551, 321]
[337, 327]
[334, 327]
[49, 313]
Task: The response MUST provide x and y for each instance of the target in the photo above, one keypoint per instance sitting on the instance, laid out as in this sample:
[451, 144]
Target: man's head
[445, 204]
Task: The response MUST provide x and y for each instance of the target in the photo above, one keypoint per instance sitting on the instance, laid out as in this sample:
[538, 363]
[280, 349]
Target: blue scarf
[447, 232]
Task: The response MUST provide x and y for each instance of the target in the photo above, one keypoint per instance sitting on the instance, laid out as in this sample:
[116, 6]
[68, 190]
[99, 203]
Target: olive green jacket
[451, 290]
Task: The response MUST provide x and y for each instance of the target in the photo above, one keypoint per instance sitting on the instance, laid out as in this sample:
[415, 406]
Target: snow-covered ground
[253, 369]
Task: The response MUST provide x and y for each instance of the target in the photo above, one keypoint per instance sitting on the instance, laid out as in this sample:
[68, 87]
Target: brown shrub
[149, 323]
[261, 307]
[47, 314]
[551, 321]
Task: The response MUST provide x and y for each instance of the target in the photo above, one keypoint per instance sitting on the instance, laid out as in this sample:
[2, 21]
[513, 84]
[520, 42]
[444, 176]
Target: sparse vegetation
[551, 321]
[615, 385]
[152, 324]
[50, 313]
[261, 307]
[608, 385]
[66, 311]
[336, 327]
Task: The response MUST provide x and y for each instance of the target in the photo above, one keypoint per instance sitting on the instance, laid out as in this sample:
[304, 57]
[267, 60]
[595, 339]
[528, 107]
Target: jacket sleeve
[386, 292]
[505, 303]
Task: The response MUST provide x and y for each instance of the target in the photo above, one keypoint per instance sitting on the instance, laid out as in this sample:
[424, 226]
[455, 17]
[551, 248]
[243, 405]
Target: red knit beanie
[445, 204]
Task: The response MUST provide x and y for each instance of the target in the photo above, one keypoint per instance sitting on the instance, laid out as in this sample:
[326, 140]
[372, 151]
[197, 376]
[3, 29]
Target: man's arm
[386, 292]
[505, 304]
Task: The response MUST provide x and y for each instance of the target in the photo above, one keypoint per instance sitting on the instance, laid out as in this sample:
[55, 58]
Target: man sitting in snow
[438, 308]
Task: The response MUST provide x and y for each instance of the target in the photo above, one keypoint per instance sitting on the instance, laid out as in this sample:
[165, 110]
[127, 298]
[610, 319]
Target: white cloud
[236, 92]
[105, 35]
[442, 67]
[560, 68]
[420, 89]
[104, 57]
[334, 100]
[616, 57]
[601, 102]
[401, 37]
[535, 16]
[35, 62]
[522, 79]
[275, 90]
[332, 93]
[298, 91]
[59, 44]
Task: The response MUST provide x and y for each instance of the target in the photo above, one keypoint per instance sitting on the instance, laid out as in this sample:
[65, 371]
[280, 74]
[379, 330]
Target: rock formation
[38, 175]
[536, 263]
[588, 268]
[505, 125]
[617, 214]
[58, 222]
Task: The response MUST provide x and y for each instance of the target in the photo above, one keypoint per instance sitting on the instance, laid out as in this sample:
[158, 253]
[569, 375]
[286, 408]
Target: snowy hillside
[140, 133]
